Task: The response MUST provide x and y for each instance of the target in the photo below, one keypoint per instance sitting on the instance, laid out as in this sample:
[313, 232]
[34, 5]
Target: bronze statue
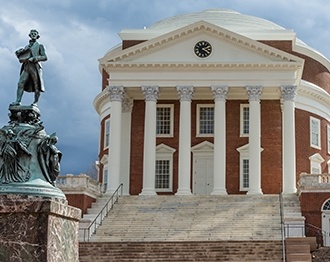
[31, 71]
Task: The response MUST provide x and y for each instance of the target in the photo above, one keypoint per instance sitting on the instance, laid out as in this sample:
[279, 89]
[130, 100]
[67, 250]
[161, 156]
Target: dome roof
[225, 18]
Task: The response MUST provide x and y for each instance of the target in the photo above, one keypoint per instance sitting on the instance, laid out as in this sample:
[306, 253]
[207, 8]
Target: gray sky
[76, 33]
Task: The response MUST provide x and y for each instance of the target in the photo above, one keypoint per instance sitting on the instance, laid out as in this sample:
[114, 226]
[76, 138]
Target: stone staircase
[192, 218]
[208, 251]
[188, 228]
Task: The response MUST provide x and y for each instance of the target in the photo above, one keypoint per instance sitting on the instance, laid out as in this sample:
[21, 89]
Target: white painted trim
[315, 163]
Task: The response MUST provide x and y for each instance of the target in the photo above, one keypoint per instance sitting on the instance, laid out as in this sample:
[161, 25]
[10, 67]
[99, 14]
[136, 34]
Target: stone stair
[234, 251]
[188, 228]
[300, 248]
[91, 215]
[294, 221]
[192, 218]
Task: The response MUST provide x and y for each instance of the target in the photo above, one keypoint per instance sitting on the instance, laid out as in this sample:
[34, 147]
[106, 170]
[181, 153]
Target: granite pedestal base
[38, 229]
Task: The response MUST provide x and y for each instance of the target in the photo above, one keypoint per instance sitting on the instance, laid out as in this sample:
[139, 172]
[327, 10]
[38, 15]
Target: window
[244, 167]
[105, 179]
[244, 120]
[164, 124]
[205, 120]
[164, 168]
[326, 205]
[246, 173]
[162, 174]
[315, 135]
[107, 133]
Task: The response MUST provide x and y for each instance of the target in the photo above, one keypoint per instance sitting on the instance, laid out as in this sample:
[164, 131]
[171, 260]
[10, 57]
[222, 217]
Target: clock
[203, 49]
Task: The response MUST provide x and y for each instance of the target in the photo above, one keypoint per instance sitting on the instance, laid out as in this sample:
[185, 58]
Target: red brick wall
[313, 72]
[303, 148]
[311, 205]
[80, 201]
[137, 137]
[105, 78]
[271, 141]
[129, 43]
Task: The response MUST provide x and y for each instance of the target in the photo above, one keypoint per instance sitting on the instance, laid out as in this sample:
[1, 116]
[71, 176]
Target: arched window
[326, 205]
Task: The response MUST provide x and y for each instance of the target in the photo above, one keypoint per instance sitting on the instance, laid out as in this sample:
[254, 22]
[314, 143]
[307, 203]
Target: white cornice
[313, 99]
[100, 99]
[200, 66]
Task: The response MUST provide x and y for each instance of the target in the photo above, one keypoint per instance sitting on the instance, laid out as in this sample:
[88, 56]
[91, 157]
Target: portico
[221, 93]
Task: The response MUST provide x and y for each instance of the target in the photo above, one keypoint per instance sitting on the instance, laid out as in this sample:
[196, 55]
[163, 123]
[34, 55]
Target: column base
[219, 191]
[183, 192]
[254, 192]
[148, 192]
[289, 191]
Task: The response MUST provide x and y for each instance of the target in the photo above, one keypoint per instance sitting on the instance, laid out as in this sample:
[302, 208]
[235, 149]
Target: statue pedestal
[38, 229]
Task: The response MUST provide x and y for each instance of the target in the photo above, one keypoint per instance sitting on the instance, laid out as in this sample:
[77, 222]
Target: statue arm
[42, 54]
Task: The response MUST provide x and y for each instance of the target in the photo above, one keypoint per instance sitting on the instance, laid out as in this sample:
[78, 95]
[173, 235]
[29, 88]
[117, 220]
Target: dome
[225, 18]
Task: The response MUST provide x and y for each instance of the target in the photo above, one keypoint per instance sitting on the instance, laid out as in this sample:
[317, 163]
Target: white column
[254, 93]
[127, 106]
[116, 98]
[149, 152]
[289, 140]
[185, 94]
[219, 155]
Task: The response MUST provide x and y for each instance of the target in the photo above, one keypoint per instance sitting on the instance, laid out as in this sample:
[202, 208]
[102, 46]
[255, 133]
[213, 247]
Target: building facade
[214, 102]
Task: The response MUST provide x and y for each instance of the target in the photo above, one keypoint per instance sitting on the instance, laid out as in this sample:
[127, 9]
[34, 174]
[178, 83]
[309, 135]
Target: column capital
[116, 93]
[185, 92]
[289, 92]
[254, 92]
[220, 92]
[127, 105]
[150, 93]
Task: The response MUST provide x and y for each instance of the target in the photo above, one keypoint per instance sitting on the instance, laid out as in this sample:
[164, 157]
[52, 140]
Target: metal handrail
[282, 225]
[319, 233]
[99, 218]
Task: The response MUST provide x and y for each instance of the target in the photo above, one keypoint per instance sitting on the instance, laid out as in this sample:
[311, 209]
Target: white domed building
[214, 102]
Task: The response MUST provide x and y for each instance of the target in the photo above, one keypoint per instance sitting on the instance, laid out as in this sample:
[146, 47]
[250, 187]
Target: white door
[203, 175]
[326, 227]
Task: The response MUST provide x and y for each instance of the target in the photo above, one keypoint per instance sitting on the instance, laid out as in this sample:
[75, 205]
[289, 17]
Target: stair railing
[91, 229]
[320, 234]
[282, 225]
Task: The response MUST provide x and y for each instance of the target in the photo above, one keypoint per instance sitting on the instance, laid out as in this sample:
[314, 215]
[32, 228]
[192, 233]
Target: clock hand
[206, 49]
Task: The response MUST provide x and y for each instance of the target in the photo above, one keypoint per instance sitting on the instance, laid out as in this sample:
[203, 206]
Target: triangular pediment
[204, 146]
[177, 47]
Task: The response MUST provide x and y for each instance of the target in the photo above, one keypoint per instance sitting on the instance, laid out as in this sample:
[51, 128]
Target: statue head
[34, 34]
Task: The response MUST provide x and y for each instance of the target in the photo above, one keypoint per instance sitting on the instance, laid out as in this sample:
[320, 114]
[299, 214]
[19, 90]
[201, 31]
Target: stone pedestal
[38, 229]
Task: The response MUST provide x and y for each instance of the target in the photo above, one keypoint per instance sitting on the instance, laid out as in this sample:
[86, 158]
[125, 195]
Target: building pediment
[176, 48]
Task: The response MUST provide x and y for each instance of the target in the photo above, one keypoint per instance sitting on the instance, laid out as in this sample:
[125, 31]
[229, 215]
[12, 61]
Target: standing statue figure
[31, 72]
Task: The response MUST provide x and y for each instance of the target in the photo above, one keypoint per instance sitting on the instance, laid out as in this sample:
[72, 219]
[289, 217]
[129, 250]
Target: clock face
[203, 49]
